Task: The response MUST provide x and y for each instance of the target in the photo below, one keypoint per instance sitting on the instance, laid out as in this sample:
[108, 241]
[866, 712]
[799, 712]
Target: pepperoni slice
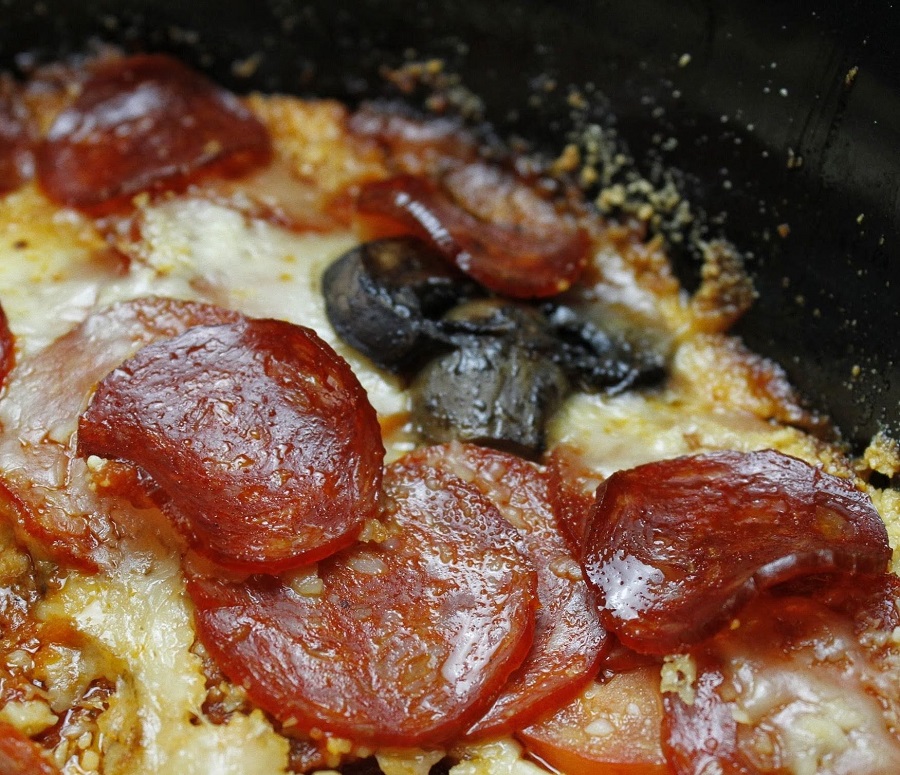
[15, 139]
[676, 547]
[7, 348]
[257, 431]
[146, 122]
[413, 145]
[51, 489]
[611, 728]
[569, 639]
[19, 755]
[793, 688]
[405, 641]
[515, 260]
[574, 487]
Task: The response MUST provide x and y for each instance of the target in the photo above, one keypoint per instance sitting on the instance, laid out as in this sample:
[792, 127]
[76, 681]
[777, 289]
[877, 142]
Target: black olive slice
[384, 297]
[492, 391]
[597, 360]
[521, 323]
[592, 358]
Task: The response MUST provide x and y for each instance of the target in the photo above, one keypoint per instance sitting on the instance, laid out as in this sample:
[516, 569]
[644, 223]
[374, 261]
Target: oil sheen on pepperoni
[51, 490]
[259, 434]
[141, 123]
[569, 639]
[611, 728]
[505, 258]
[676, 547]
[402, 640]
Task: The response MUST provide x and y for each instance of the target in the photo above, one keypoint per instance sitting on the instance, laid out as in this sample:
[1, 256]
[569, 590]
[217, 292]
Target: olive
[511, 368]
[596, 360]
[592, 358]
[384, 297]
[498, 369]
[498, 318]
[493, 391]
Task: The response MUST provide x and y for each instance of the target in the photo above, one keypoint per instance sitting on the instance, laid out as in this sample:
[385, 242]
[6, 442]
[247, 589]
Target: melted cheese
[141, 613]
[53, 266]
[613, 433]
[501, 757]
[823, 720]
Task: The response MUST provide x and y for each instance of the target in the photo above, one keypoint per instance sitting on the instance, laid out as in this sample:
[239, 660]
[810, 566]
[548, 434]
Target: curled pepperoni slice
[404, 640]
[259, 434]
[792, 688]
[676, 547]
[413, 145]
[15, 139]
[141, 123]
[19, 755]
[505, 258]
[569, 639]
[51, 490]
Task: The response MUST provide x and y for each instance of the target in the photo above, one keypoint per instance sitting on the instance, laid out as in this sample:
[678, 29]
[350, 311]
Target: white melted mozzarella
[50, 272]
[212, 253]
[826, 721]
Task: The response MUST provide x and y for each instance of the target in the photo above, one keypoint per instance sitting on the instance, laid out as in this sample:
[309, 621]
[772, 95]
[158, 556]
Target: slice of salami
[257, 431]
[51, 491]
[141, 123]
[509, 259]
[404, 640]
[569, 640]
[676, 547]
[19, 755]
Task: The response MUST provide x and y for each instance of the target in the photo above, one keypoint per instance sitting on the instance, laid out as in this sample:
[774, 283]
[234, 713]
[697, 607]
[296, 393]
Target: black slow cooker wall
[783, 119]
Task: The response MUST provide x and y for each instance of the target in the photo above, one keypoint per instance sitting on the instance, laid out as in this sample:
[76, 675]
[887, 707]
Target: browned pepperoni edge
[68, 519]
[19, 755]
[569, 639]
[257, 431]
[7, 348]
[503, 258]
[410, 638]
[676, 547]
[16, 138]
[143, 123]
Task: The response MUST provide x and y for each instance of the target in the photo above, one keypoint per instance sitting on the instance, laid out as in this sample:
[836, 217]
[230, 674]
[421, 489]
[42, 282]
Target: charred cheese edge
[55, 268]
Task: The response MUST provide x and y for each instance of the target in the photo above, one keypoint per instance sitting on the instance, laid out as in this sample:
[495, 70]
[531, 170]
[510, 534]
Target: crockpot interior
[782, 121]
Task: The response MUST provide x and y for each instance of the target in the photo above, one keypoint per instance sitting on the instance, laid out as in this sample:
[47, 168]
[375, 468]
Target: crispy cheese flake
[678, 675]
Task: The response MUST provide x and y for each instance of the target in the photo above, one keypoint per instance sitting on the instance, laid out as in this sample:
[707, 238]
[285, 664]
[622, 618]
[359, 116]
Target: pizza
[344, 440]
